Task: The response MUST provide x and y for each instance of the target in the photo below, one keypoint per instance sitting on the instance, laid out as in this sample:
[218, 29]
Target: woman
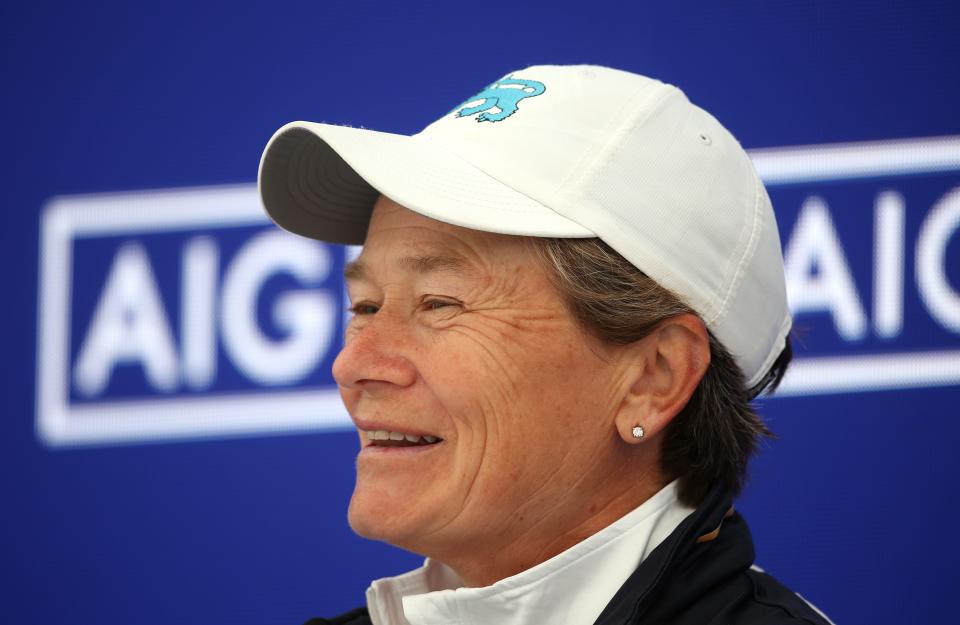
[570, 288]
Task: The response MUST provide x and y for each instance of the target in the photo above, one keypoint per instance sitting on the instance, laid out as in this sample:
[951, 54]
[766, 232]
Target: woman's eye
[363, 308]
[437, 304]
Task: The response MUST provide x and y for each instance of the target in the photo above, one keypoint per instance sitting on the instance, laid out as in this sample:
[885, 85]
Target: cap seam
[591, 162]
[747, 254]
[686, 291]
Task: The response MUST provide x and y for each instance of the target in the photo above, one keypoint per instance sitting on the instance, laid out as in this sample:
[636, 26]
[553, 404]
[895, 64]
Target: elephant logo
[503, 95]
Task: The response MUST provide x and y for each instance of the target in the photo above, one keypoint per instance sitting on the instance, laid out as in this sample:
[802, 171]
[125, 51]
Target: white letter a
[129, 325]
[814, 244]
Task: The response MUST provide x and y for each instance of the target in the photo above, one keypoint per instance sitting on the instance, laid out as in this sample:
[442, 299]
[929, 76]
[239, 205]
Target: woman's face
[458, 334]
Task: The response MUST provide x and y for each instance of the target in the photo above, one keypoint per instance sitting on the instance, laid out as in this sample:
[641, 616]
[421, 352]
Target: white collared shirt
[571, 588]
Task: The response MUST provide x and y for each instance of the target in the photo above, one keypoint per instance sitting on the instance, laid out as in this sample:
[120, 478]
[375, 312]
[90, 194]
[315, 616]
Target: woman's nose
[375, 355]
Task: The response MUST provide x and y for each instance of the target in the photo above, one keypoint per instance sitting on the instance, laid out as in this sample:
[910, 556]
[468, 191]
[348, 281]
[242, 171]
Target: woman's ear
[665, 368]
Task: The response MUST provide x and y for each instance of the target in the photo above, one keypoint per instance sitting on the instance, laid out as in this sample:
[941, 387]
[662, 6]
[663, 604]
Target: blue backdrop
[159, 473]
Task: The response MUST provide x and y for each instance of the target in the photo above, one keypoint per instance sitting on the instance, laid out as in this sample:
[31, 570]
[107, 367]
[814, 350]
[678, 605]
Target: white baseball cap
[564, 151]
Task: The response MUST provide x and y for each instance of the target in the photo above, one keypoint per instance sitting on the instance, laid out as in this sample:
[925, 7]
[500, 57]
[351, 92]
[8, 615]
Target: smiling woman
[480, 373]
[560, 315]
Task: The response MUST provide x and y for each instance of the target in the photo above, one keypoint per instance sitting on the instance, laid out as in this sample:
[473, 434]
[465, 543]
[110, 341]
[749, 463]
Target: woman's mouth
[387, 438]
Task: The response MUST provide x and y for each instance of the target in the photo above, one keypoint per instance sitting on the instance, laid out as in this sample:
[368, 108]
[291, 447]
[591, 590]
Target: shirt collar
[571, 588]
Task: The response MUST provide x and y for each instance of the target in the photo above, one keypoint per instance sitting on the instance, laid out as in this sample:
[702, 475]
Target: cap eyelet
[705, 139]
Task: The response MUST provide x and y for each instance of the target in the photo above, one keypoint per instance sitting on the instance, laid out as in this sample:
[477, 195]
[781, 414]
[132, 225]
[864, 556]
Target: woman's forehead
[418, 263]
[415, 242]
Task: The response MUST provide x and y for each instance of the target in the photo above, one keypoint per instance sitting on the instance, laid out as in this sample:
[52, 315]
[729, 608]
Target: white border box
[58, 422]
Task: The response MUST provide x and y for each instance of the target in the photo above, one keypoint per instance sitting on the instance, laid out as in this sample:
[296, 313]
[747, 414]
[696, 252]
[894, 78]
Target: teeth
[387, 435]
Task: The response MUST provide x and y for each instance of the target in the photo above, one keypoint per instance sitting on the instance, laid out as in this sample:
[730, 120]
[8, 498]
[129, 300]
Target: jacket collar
[713, 526]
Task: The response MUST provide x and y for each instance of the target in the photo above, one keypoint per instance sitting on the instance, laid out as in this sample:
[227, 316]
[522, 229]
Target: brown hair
[714, 435]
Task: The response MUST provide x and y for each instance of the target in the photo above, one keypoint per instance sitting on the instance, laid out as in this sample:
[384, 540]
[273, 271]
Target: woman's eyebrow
[356, 270]
[431, 262]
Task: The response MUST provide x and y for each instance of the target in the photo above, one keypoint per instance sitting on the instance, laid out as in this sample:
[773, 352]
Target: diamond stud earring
[638, 431]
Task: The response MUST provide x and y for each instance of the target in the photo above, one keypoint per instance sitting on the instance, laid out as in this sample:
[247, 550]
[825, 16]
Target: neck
[545, 528]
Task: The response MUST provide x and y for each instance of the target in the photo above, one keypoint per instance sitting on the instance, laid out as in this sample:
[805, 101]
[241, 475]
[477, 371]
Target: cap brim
[321, 181]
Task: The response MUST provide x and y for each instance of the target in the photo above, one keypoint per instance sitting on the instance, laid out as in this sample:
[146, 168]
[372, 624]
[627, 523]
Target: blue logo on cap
[503, 95]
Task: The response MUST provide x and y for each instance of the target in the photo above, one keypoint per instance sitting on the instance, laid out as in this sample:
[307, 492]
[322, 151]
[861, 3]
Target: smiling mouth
[386, 438]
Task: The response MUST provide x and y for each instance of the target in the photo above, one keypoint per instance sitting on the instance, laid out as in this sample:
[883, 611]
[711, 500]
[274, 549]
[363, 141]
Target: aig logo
[183, 314]
[871, 236]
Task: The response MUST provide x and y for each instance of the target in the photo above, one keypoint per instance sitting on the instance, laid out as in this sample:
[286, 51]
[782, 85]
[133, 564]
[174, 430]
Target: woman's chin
[378, 519]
